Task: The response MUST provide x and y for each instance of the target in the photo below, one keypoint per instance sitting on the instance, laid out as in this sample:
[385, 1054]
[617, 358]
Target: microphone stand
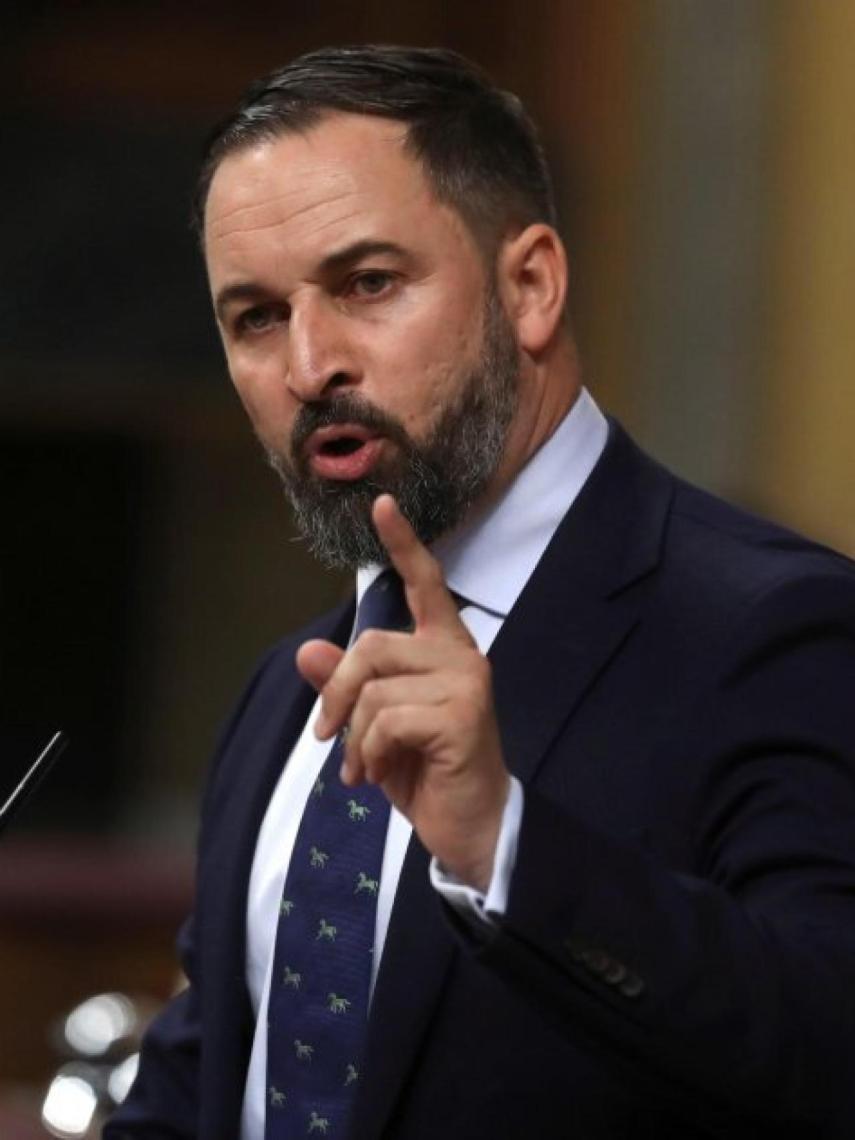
[33, 777]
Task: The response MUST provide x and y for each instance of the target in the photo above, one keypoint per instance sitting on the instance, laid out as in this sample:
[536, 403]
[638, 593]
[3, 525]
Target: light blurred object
[99, 1041]
[71, 1102]
[122, 1077]
[99, 1024]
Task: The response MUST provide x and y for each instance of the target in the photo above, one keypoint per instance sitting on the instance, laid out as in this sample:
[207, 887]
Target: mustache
[345, 409]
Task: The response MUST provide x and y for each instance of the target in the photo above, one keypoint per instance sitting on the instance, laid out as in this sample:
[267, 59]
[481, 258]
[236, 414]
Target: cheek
[436, 372]
[265, 401]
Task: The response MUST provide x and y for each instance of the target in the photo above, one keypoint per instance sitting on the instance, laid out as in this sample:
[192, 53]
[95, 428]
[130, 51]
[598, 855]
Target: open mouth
[343, 451]
[342, 445]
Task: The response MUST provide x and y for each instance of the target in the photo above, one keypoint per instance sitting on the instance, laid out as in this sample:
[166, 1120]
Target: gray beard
[435, 482]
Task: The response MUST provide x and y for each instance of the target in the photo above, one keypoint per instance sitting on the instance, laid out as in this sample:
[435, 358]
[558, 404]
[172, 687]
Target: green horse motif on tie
[326, 931]
[336, 1004]
[318, 858]
[318, 1123]
[291, 978]
[304, 1052]
[358, 811]
[277, 1098]
[363, 883]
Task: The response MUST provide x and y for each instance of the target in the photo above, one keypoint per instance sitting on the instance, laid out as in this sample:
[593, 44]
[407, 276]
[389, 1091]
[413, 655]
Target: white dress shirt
[487, 564]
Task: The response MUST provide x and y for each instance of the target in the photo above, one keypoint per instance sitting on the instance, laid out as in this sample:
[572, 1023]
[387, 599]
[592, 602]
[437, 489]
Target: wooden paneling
[79, 918]
[806, 458]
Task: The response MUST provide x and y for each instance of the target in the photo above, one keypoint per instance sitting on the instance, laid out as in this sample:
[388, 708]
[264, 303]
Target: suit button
[632, 986]
[616, 973]
[597, 961]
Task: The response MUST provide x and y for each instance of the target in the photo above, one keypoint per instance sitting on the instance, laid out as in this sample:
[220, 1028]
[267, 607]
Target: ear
[532, 276]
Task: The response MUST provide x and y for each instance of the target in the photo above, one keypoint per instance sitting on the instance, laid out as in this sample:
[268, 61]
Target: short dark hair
[479, 149]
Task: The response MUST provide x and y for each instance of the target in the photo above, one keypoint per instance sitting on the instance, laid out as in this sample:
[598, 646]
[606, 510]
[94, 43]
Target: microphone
[33, 777]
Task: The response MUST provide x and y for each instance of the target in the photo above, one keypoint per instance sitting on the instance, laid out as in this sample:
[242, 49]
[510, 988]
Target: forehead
[348, 173]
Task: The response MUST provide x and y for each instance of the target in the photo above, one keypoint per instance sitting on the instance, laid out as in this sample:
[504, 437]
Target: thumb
[317, 660]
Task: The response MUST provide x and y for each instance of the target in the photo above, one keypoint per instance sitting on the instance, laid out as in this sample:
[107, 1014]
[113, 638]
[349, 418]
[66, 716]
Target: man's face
[362, 333]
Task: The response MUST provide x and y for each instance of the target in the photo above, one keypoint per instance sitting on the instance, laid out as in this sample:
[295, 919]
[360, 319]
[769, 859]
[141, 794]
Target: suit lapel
[574, 613]
[579, 606]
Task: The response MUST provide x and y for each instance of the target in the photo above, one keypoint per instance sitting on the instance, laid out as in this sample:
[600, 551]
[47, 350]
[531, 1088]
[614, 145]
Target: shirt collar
[488, 561]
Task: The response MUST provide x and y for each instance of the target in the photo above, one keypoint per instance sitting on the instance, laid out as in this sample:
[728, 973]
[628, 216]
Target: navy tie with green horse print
[318, 1006]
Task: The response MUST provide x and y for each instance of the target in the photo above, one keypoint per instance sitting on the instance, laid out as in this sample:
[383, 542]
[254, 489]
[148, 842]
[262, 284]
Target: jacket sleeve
[164, 1101]
[722, 984]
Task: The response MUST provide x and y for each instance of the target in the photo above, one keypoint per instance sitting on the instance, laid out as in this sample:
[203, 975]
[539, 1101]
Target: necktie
[318, 1006]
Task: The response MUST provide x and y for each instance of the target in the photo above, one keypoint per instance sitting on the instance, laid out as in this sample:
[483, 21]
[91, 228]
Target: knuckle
[473, 690]
[485, 675]
[372, 750]
[386, 725]
[370, 695]
[467, 640]
[332, 695]
[369, 641]
[477, 675]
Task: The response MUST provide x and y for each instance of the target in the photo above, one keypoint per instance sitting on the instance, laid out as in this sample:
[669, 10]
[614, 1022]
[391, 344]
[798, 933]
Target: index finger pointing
[428, 597]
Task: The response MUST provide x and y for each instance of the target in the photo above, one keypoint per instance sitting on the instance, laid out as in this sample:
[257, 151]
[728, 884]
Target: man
[617, 891]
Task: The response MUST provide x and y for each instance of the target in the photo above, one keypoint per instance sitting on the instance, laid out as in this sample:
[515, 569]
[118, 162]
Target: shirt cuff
[468, 901]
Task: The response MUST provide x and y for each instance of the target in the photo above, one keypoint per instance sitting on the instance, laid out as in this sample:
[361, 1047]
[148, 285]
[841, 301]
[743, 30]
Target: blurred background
[704, 159]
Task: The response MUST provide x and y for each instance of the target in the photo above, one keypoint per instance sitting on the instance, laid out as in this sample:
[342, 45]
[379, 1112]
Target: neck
[547, 393]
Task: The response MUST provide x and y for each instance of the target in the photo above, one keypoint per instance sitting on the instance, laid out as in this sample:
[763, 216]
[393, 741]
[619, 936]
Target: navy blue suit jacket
[676, 691]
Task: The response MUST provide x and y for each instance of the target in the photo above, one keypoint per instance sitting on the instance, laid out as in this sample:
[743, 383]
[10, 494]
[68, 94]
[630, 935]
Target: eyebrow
[358, 251]
[240, 291]
[334, 262]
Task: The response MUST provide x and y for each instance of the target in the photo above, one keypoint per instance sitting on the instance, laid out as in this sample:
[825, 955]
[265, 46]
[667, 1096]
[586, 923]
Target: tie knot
[383, 604]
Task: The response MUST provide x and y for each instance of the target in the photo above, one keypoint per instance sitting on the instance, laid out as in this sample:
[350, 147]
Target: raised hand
[419, 707]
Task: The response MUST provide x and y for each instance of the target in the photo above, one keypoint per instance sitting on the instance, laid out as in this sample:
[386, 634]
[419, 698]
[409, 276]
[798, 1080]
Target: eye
[258, 319]
[371, 282]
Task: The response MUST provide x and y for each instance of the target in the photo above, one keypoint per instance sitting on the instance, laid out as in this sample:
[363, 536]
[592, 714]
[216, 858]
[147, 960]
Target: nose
[320, 355]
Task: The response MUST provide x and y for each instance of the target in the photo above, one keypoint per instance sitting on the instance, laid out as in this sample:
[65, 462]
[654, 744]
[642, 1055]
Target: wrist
[473, 865]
